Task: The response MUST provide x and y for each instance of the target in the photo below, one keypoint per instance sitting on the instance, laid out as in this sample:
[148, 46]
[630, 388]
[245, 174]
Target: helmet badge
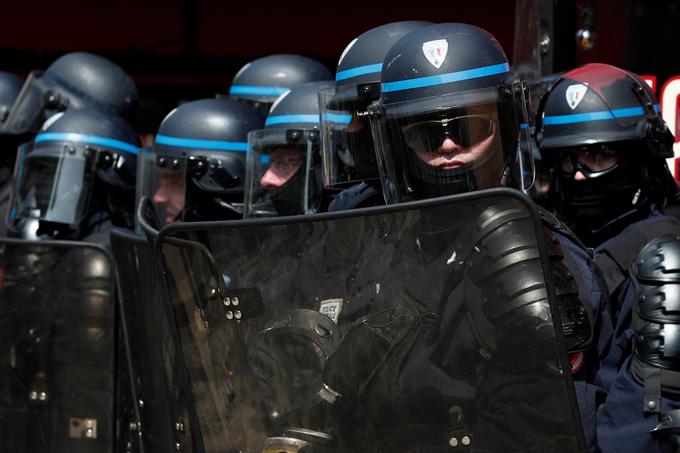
[435, 51]
[575, 94]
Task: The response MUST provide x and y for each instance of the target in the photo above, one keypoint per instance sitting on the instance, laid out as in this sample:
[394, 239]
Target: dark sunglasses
[467, 131]
[592, 160]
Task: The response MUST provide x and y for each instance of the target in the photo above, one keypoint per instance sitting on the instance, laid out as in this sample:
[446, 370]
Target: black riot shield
[159, 416]
[56, 347]
[421, 327]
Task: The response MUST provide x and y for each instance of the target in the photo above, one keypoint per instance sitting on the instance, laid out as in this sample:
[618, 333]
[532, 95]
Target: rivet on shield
[466, 440]
[322, 331]
[42, 396]
[141, 403]
[230, 315]
[33, 395]
[237, 314]
[226, 301]
[453, 442]
[235, 301]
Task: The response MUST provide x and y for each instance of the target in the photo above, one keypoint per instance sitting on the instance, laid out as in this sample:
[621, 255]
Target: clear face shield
[282, 173]
[163, 179]
[145, 185]
[193, 184]
[347, 148]
[35, 103]
[456, 143]
[53, 183]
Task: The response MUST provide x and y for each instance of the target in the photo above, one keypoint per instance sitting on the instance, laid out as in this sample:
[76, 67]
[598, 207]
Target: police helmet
[263, 80]
[450, 116]
[284, 160]
[347, 148]
[82, 162]
[199, 154]
[75, 80]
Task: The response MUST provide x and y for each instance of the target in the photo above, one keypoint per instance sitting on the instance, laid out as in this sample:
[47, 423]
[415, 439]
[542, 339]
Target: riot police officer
[74, 183]
[199, 169]
[601, 128]
[449, 120]
[76, 178]
[350, 165]
[263, 80]
[284, 158]
[74, 80]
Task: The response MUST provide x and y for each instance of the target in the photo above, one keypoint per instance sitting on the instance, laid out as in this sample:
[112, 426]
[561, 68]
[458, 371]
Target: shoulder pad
[659, 260]
[616, 256]
[657, 270]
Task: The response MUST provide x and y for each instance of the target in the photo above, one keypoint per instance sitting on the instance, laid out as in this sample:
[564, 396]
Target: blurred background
[187, 49]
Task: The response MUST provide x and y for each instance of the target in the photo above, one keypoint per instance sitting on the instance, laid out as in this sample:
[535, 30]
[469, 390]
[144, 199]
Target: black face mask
[599, 208]
[288, 199]
[366, 165]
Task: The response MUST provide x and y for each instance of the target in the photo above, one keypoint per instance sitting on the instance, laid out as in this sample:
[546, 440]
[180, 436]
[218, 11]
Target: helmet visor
[346, 141]
[30, 108]
[165, 183]
[281, 174]
[456, 143]
[53, 182]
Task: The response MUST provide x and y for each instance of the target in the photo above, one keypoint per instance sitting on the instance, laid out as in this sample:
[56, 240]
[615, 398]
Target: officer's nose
[579, 176]
[161, 196]
[449, 146]
[270, 181]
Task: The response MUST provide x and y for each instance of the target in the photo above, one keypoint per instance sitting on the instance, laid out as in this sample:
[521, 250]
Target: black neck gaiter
[599, 208]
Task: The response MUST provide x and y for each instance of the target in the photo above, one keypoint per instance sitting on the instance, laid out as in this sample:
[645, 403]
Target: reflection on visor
[170, 195]
[466, 131]
[282, 164]
[36, 188]
[592, 161]
[53, 188]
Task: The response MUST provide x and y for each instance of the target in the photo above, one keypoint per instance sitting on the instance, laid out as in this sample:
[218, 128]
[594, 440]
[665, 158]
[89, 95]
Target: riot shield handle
[148, 218]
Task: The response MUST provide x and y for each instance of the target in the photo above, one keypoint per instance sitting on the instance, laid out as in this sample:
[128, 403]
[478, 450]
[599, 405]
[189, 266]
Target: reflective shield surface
[412, 328]
[56, 347]
[160, 402]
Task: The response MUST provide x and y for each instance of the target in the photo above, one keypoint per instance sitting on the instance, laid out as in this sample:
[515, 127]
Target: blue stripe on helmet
[264, 159]
[291, 119]
[217, 145]
[593, 116]
[88, 139]
[258, 91]
[657, 108]
[358, 71]
[450, 77]
[339, 118]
